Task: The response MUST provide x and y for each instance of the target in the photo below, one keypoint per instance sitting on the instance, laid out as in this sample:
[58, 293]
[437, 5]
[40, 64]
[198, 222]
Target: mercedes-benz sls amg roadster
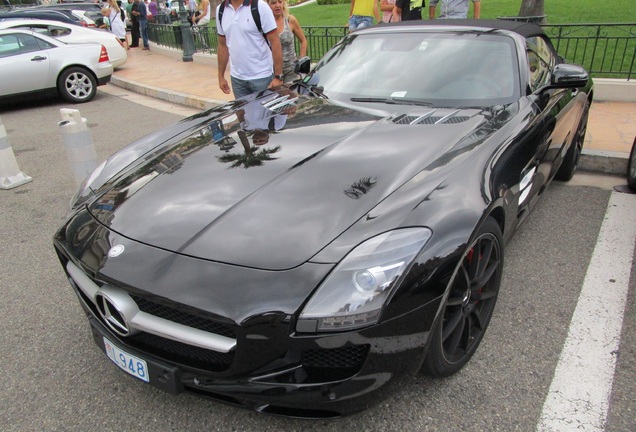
[302, 250]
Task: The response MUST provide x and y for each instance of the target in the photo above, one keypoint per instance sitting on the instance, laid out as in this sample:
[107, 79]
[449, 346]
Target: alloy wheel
[472, 298]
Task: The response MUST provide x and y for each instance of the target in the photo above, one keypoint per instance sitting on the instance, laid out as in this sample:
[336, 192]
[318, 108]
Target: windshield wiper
[392, 101]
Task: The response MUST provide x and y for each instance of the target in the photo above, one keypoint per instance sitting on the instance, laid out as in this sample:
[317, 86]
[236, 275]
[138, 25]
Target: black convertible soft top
[523, 28]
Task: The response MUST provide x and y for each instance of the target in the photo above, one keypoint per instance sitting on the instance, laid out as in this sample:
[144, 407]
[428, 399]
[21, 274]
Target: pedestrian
[288, 28]
[135, 34]
[388, 13]
[203, 18]
[116, 23]
[454, 9]
[142, 15]
[255, 55]
[362, 12]
[191, 8]
[153, 11]
[409, 10]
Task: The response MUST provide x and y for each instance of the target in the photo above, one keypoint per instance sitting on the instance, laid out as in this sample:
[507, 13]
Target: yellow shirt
[363, 8]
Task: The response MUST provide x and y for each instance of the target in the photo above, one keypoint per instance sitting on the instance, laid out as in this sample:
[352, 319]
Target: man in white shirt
[256, 59]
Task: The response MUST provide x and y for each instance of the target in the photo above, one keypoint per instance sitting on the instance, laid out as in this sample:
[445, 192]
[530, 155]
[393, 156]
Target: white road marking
[579, 395]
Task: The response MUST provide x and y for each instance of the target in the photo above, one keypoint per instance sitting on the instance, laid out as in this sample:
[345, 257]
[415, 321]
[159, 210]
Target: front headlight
[87, 187]
[353, 295]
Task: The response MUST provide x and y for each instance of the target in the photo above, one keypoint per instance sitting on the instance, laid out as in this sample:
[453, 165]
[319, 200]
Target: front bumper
[270, 367]
[294, 389]
[276, 393]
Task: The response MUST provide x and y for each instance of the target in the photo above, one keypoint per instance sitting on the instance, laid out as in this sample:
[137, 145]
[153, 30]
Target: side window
[541, 60]
[19, 43]
[9, 45]
[56, 31]
[28, 43]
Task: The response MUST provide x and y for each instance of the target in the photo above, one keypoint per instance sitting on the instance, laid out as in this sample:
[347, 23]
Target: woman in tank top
[288, 28]
[116, 24]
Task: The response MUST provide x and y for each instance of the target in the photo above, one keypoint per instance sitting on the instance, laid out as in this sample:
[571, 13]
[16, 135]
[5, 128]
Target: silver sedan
[35, 63]
[70, 33]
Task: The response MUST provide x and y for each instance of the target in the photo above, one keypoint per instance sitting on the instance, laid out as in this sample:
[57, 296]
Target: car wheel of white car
[77, 85]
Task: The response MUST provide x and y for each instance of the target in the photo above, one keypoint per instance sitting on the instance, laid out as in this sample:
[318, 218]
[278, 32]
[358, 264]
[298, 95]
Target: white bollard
[10, 174]
[78, 143]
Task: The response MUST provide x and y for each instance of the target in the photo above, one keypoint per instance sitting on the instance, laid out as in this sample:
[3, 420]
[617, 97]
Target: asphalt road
[55, 379]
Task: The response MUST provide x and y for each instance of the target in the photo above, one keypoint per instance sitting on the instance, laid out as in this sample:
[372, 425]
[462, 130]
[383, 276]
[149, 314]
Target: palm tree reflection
[252, 156]
[361, 187]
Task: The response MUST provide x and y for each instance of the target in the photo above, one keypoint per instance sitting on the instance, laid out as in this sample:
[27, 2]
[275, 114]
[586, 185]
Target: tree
[532, 8]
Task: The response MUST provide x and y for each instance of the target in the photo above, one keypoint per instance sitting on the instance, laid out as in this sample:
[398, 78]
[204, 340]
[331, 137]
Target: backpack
[256, 16]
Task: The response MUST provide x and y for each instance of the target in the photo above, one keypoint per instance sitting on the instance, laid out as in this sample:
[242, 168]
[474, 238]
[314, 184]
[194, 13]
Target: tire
[631, 168]
[472, 295]
[77, 85]
[571, 161]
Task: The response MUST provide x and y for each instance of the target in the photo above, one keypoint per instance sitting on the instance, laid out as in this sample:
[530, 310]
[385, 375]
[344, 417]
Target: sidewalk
[161, 73]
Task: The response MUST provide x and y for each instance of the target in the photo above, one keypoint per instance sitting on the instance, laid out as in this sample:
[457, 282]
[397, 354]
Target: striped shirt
[455, 9]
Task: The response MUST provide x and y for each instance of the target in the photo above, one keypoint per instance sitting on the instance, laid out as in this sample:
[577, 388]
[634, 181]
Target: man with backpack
[248, 39]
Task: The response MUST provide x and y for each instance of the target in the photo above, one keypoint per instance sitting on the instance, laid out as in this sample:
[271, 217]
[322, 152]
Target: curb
[166, 95]
[603, 162]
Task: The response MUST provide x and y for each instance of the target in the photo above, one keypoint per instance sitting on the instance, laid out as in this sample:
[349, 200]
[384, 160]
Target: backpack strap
[256, 15]
[219, 19]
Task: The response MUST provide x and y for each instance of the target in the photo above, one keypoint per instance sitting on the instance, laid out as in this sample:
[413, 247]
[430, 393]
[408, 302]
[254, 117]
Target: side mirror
[568, 76]
[302, 65]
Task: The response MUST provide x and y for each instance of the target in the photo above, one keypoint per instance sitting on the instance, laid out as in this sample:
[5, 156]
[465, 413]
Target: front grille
[169, 349]
[181, 317]
[344, 357]
[181, 353]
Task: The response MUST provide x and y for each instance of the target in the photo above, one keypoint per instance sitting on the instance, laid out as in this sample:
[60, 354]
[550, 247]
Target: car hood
[218, 193]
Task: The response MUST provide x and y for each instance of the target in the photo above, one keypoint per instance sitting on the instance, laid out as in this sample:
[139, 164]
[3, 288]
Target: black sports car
[302, 250]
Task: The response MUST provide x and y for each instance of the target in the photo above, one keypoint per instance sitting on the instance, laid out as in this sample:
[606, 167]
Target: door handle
[38, 58]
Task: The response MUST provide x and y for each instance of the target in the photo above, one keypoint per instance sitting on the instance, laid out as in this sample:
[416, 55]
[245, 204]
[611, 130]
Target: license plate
[127, 362]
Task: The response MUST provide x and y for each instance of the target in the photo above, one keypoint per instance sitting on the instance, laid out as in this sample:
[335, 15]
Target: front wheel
[631, 168]
[473, 290]
[77, 85]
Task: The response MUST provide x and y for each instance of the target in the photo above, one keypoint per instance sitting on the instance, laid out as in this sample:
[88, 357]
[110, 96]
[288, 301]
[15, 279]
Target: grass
[557, 12]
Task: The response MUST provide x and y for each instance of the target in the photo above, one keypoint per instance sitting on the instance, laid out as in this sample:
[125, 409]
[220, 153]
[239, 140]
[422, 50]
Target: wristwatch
[279, 77]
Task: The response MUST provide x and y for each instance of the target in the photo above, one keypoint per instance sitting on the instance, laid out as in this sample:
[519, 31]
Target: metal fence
[605, 50]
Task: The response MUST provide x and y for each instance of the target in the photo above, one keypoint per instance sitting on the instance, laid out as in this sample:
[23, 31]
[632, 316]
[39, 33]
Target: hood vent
[279, 104]
[429, 118]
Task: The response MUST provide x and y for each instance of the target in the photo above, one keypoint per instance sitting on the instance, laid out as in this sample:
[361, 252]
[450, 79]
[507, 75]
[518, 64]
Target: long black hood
[220, 194]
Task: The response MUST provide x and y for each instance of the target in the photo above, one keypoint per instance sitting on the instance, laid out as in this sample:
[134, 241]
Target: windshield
[442, 69]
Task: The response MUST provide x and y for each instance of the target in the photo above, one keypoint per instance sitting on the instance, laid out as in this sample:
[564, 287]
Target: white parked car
[31, 62]
[72, 34]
